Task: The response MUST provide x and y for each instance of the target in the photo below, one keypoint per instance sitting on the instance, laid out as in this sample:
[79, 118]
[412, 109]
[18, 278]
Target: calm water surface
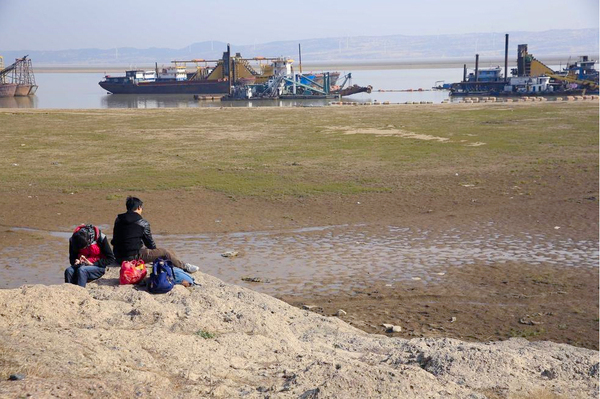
[81, 90]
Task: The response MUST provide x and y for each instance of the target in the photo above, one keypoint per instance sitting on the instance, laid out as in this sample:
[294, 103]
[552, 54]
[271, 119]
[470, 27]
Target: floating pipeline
[402, 90]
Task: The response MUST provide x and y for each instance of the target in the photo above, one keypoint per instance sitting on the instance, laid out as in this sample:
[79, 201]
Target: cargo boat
[22, 79]
[136, 82]
[205, 80]
[530, 78]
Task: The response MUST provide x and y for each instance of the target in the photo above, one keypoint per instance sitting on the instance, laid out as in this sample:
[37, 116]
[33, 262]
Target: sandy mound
[226, 341]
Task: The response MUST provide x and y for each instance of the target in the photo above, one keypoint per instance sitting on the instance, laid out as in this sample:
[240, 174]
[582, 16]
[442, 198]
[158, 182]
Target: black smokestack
[506, 59]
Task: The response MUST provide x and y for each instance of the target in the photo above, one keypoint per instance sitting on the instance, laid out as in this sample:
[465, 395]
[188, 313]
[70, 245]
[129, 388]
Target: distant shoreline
[323, 65]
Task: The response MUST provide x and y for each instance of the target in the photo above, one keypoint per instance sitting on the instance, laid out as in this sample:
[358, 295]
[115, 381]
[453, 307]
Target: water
[81, 90]
[326, 259]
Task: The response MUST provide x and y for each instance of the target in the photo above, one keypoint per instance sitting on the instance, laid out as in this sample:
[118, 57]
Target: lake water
[81, 90]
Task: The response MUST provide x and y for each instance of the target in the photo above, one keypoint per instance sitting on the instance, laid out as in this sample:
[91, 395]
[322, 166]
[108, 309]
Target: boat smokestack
[227, 66]
[477, 67]
[300, 56]
[464, 72]
[506, 58]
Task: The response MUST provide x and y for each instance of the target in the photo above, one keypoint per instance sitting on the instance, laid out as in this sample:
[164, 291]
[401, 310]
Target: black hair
[80, 239]
[133, 203]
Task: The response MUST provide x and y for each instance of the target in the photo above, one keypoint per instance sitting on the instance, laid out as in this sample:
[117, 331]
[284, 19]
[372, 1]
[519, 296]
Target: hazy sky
[75, 24]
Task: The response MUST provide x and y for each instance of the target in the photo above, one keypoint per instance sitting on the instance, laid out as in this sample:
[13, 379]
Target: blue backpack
[162, 278]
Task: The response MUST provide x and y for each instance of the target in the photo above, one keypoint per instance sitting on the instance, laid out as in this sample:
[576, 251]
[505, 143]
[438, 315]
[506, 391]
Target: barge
[210, 77]
[531, 78]
[17, 80]
[287, 85]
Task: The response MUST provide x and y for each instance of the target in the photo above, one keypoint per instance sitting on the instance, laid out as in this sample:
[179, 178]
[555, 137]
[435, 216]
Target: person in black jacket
[89, 254]
[132, 238]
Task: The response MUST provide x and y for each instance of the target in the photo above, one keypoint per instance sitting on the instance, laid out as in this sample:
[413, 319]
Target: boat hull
[22, 90]
[7, 89]
[185, 87]
[558, 93]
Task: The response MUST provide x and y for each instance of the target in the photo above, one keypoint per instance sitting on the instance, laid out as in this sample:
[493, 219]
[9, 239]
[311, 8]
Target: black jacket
[129, 233]
[102, 242]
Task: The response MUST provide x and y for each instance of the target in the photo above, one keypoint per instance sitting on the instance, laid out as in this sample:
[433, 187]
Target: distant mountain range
[401, 48]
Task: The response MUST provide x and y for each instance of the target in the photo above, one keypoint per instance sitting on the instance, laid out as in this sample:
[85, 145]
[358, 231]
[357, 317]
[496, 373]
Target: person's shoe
[188, 267]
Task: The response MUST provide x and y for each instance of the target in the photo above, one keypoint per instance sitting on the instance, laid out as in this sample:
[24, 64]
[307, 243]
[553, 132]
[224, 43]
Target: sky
[75, 24]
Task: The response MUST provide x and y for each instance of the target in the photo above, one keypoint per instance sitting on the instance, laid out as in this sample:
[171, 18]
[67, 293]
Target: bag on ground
[132, 271]
[162, 278]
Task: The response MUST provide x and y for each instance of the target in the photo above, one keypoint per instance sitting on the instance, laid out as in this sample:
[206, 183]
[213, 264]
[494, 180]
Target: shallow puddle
[323, 259]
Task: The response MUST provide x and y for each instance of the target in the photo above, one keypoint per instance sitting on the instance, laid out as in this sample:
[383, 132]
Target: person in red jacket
[89, 254]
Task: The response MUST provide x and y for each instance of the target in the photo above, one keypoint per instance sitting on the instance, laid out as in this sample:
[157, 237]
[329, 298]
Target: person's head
[80, 239]
[133, 204]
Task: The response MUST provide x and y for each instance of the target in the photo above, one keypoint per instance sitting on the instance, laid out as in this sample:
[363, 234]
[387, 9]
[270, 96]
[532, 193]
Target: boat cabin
[486, 75]
[529, 84]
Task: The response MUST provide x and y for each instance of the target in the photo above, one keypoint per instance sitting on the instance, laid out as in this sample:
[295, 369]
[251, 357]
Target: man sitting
[89, 254]
[132, 238]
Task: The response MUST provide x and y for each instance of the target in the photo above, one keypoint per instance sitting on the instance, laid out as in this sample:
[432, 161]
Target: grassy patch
[205, 334]
[272, 152]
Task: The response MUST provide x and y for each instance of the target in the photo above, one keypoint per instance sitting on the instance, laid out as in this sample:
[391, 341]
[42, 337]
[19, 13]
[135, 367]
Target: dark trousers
[149, 255]
[82, 274]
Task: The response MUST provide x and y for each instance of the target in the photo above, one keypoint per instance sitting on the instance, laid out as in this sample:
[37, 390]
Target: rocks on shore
[390, 328]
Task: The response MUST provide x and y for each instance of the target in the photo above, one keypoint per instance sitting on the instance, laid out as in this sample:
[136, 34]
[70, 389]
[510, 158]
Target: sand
[221, 340]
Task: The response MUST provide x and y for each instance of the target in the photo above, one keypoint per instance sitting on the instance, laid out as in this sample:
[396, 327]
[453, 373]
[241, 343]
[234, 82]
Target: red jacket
[98, 251]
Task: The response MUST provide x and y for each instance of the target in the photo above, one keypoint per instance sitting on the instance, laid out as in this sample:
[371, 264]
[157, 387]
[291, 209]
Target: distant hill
[557, 43]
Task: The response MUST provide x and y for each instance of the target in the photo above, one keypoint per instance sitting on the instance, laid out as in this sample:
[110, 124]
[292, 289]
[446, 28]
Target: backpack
[162, 278]
[93, 232]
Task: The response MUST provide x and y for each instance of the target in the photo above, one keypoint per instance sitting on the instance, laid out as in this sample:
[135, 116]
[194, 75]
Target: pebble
[550, 374]
[16, 377]
[453, 319]
[229, 254]
[341, 312]
[528, 322]
[390, 328]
